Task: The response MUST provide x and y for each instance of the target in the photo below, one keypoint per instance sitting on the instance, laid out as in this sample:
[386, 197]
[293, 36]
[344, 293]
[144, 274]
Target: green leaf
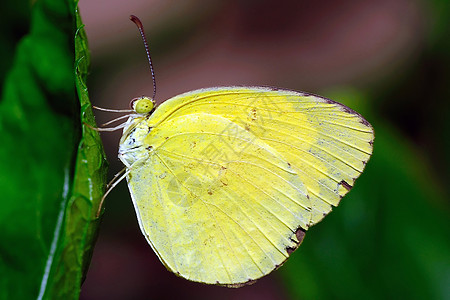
[52, 167]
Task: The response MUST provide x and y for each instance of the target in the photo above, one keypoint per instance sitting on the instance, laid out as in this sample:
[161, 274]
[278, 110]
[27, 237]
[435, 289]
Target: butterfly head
[143, 105]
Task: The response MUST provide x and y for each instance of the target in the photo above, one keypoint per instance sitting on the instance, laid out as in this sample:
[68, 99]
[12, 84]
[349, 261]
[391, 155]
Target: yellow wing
[226, 180]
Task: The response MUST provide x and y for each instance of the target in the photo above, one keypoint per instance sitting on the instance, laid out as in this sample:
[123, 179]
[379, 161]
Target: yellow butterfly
[226, 180]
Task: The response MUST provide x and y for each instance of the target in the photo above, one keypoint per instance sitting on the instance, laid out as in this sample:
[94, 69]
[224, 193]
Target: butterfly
[225, 181]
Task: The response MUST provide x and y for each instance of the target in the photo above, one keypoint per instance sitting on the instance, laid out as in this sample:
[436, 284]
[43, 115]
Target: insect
[225, 181]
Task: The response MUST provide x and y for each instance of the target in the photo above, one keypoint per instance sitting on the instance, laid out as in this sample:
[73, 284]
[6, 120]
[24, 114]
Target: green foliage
[52, 167]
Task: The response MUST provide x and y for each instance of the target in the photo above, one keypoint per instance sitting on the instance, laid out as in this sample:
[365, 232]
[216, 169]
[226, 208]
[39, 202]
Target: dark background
[388, 59]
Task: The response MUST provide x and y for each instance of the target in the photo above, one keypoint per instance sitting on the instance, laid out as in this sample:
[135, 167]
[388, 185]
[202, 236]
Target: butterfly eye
[142, 105]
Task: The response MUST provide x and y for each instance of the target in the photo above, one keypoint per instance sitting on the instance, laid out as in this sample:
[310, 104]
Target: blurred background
[387, 59]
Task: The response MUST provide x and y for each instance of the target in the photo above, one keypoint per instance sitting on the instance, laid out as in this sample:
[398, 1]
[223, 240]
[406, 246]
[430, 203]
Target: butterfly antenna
[141, 30]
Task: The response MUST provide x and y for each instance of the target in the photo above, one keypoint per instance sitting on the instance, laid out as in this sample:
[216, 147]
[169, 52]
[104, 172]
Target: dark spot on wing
[253, 114]
[238, 285]
[347, 186]
[346, 109]
[289, 250]
[364, 122]
[300, 234]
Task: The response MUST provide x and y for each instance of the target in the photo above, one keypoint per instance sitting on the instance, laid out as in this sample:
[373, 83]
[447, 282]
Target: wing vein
[211, 215]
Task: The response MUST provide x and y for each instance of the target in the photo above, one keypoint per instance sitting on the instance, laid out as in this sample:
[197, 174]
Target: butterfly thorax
[132, 147]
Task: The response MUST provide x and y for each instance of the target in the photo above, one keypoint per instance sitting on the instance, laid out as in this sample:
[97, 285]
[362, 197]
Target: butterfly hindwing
[223, 178]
